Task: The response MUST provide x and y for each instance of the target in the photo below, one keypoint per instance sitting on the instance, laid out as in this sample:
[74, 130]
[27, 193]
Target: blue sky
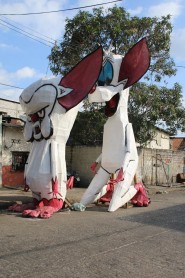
[23, 60]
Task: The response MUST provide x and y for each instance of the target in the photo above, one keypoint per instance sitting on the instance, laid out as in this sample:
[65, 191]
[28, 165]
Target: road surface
[136, 242]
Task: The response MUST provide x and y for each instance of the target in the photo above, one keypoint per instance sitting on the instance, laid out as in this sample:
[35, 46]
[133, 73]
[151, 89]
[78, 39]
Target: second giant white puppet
[119, 158]
[46, 104]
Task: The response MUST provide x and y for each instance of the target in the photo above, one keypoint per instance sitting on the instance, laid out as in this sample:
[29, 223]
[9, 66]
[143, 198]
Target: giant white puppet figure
[119, 158]
[46, 104]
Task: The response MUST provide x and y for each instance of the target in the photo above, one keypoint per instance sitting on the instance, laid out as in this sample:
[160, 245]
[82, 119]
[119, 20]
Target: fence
[155, 166]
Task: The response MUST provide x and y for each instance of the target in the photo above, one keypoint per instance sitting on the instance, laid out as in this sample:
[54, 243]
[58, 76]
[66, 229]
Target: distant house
[14, 149]
[177, 143]
[160, 141]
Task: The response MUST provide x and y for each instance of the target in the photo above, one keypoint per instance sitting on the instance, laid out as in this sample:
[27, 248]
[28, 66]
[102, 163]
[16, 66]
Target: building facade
[14, 149]
[161, 140]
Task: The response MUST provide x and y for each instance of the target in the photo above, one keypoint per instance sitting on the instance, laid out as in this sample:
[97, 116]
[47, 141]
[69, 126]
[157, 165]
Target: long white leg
[62, 174]
[124, 192]
[101, 193]
[58, 171]
[96, 185]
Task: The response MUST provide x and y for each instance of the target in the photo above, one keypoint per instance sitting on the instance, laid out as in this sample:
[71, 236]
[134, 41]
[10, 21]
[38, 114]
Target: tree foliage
[87, 30]
[151, 106]
[88, 127]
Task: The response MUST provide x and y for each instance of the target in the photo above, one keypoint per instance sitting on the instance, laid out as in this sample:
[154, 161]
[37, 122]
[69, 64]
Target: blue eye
[106, 74]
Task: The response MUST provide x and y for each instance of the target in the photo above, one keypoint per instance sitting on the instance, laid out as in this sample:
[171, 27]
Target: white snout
[37, 131]
[105, 93]
[101, 94]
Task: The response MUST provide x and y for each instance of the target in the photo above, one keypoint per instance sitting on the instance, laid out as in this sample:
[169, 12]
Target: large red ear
[81, 79]
[135, 63]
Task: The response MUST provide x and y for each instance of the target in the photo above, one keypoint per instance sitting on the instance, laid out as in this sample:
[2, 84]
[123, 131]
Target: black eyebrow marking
[50, 84]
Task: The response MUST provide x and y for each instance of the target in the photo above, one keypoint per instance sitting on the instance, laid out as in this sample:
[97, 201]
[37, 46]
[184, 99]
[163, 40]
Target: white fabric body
[119, 147]
[49, 134]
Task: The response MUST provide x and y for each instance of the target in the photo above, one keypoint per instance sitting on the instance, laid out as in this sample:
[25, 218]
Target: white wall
[160, 141]
[10, 133]
[11, 108]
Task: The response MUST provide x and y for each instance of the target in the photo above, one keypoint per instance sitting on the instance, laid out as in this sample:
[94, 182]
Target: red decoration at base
[141, 198]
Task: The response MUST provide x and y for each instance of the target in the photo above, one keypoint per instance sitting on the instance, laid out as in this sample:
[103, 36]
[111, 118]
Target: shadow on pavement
[169, 218]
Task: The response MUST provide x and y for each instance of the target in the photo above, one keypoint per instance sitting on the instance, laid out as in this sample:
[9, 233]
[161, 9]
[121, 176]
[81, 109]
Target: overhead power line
[27, 27]
[64, 10]
[180, 67]
[11, 86]
[24, 33]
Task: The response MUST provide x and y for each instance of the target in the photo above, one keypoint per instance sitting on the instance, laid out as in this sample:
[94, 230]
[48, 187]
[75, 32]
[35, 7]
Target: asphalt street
[135, 242]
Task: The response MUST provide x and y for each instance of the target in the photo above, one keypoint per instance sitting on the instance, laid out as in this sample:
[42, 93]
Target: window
[19, 160]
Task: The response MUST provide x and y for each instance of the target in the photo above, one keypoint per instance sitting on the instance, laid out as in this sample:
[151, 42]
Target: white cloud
[20, 74]
[4, 75]
[6, 46]
[173, 8]
[51, 24]
[177, 44]
[135, 11]
[11, 94]
[24, 75]
[25, 72]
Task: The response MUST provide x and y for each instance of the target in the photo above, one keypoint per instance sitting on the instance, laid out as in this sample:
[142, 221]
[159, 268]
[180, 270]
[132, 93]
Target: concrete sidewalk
[9, 196]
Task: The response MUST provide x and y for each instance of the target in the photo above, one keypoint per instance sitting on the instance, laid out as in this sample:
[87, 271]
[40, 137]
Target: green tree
[88, 127]
[150, 105]
[87, 30]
